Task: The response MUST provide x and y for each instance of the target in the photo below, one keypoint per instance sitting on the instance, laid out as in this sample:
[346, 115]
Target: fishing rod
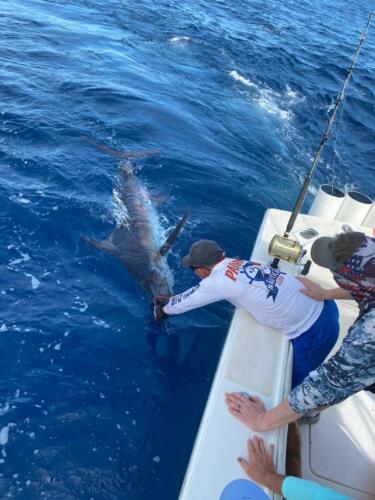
[280, 243]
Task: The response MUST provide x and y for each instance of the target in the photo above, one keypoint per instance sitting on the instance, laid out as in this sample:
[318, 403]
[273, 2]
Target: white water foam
[119, 210]
[20, 199]
[180, 40]
[81, 306]
[234, 74]
[293, 96]
[271, 101]
[25, 257]
[4, 435]
[100, 322]
[4, 409]
[35, 283]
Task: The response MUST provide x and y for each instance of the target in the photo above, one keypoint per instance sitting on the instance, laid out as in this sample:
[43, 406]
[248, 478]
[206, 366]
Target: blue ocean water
[94, 402]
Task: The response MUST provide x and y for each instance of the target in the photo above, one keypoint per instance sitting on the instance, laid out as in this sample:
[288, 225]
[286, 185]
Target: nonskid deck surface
[257, 360]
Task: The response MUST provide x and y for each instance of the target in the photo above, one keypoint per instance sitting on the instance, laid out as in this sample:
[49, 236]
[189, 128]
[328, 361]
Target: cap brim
[186, 261]
[321, 253]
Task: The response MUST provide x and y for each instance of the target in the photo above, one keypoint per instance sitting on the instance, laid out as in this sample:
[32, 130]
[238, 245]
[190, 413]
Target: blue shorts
[312, 347]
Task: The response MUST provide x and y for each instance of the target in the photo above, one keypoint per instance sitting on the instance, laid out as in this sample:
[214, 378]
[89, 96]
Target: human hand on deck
[248, 409]
[260, 466]
[312, 289]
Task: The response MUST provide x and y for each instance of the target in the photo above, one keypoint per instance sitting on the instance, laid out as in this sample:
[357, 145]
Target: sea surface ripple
[235, 95]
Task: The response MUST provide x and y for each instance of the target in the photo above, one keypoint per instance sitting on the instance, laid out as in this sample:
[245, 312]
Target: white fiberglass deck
[339, 451]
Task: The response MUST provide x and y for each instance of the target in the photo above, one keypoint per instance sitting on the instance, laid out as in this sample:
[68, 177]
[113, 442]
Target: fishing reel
[285, 249]
[290, 251]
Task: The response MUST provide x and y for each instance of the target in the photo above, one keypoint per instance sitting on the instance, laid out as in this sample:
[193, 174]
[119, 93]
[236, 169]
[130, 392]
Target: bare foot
[248, 409]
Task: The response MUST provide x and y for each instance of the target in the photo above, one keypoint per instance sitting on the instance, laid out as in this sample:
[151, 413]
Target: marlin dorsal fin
[164, 249]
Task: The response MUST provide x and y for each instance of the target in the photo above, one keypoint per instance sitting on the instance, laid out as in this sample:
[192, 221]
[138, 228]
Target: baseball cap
[332, 252]
[203, 253]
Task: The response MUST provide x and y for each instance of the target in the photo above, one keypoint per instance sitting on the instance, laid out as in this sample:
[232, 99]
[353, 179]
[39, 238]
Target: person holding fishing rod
[351, 259]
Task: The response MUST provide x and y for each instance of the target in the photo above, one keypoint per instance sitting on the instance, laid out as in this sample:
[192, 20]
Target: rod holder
[354, 208]
[369, 220]
[327, 202]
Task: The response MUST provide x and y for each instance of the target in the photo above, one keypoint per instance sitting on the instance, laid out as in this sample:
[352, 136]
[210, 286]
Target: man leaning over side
[272, 297]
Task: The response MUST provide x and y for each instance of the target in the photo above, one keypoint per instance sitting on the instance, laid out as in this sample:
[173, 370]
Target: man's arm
[317, 292]
[205, 293]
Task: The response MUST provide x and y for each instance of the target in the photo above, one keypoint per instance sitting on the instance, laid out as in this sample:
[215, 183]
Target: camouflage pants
[350, 370]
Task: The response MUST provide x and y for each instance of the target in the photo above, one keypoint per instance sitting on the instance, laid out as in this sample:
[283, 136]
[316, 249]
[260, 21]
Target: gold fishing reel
[283, 248]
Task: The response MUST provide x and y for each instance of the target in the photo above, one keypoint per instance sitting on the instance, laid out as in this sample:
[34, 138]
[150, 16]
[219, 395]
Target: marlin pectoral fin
[164, 249]
[105, 245]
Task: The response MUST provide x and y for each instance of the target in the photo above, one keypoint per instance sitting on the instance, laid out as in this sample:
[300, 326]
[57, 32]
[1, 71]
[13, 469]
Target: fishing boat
[339, 450]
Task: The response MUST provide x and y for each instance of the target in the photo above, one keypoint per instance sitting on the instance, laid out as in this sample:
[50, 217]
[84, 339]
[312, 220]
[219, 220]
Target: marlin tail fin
[164, 249]
[122, 155]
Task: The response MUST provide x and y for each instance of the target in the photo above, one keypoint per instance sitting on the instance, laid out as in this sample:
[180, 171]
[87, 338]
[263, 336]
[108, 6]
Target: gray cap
[203, 253]
[333, 252]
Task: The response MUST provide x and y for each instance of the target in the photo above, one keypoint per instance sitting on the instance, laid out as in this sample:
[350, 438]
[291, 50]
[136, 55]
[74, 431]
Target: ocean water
[94, 402]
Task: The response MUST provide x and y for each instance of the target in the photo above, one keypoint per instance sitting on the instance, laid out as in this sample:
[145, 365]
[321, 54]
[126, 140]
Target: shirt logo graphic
[271, 278]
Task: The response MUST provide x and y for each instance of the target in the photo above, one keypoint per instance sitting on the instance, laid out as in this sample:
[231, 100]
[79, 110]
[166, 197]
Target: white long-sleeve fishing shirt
[271, 296]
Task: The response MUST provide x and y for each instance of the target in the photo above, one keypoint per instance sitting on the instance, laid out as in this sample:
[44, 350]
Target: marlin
[137, 242]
